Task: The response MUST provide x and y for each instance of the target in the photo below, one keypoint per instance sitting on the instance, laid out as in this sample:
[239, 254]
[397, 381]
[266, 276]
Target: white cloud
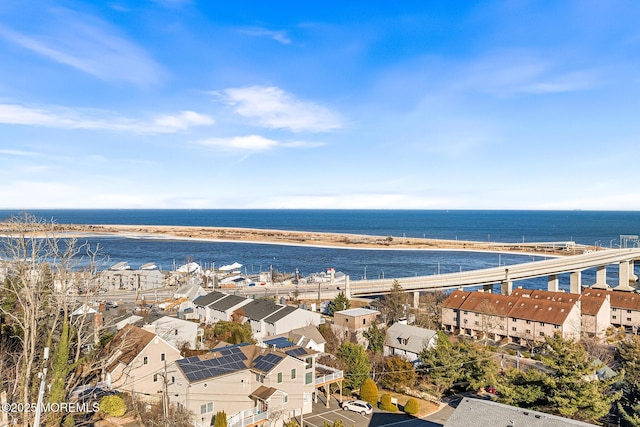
[274, 108]
[247, 143]
[16, 153]
[65, 118]
[279, 36]
[88, 44]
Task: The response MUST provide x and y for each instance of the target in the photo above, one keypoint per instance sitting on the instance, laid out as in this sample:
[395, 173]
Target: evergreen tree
[393, 304]
[375, 335]
[339, 303]
[569, 391]
[525, 389]
[399, 374]
[357, 367]
[628, 356]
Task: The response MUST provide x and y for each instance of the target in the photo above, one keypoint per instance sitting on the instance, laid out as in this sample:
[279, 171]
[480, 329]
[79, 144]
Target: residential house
[223, 308]
[408, 341]
[121, 276]
[177, 332]
[268, 318]
[306, 337]
[135, 362]
[202, 304]
[517, 318]
[354, 321]
[250, 383]
[625, 308]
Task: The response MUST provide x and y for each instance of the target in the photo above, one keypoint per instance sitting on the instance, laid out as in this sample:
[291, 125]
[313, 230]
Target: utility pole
[165, 393]
[43, 377]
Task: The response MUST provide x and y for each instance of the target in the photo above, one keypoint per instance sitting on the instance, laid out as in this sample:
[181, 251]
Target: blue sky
[289, 104]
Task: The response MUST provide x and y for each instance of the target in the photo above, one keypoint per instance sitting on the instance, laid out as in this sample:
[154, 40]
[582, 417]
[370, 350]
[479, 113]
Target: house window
[155, 378]
[279, 377]
[476, 314]
[615, 317]
[556, 326]
[513, 319]
[629, 311]
[145, 360]
[455, 310]
[514, 329]
[162, 355]
[476, 323]
[175, 332]
[527, 331]
[203, 409]
[364, 321]
[541, 334]
[293, 374]
[502, 327]
[308, 378]
[628, 319]
[614, 309]
[210, 407]
[285, 399]
[528, 322]
[466, 312]
[308, 362]
[541, 323]
[173, 380]
[260, 378]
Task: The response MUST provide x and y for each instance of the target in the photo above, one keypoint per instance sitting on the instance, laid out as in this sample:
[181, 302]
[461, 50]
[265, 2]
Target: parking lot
[379, 418]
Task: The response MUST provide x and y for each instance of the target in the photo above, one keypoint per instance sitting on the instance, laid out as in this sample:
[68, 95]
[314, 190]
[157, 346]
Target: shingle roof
[127, 344]
[278, 315]
[485, 413]
[205, 300]
[416, 338]
[260, 308]
[263, 393]
[357, 312]
[456, 299]
[227, 302]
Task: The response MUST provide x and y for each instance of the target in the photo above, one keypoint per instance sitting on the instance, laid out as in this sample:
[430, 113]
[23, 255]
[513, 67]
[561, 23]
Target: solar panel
[280, 342]
[296, 351]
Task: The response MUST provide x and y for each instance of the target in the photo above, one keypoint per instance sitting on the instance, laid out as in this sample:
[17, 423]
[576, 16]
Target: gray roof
[205, 300]
[416, 338]
[280, 314]
[260, 308]
[309, 331]
[226, 303]
[357, 312]
[485, 413]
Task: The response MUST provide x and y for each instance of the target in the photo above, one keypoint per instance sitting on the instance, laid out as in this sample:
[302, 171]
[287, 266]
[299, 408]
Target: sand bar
[303, 238]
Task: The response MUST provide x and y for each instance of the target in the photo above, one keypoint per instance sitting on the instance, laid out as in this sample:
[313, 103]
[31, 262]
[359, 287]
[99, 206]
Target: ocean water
[585, 227]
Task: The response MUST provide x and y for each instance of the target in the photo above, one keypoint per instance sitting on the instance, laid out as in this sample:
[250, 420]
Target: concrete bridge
[506, 275]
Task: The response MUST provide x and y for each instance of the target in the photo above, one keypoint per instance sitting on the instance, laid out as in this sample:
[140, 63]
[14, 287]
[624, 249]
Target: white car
[360, 406]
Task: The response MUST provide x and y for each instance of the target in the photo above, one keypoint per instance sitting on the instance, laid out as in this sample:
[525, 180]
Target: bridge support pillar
[487, 289]
[553, 284]
[416, 299]
[601, 276]
[624, 276]
[506, 287]
[632, 276]
[347, 287]
[575, 282]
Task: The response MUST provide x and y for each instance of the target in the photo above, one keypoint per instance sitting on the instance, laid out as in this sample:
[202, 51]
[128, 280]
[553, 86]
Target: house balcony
[248, 418]
[328, 375]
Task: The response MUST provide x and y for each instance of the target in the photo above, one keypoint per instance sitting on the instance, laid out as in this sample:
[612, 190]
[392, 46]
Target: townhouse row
[530, 315]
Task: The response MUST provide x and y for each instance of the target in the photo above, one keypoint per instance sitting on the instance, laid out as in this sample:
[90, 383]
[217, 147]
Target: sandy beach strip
[296, 238]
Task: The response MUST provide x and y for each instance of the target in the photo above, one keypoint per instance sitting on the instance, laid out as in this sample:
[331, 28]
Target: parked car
[364, 408]
[490, 389]
[95, 394]
[110, 304]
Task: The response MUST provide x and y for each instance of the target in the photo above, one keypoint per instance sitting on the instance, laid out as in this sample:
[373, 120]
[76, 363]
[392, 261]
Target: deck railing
[335, 374]
[247, 417]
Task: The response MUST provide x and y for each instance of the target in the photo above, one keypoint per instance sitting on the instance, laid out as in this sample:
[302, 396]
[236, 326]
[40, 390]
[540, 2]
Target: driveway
[378, 418]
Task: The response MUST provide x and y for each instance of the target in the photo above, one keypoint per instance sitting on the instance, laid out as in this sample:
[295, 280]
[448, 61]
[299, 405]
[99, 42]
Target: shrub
[220, 419]
[113, 405]
[385, 403]
[411, 407]
[369, 392]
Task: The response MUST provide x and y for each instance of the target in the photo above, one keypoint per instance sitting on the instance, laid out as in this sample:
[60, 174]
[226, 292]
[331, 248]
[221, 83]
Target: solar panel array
[280, 342]
[267, 362]
[231, 359]
[296, 351]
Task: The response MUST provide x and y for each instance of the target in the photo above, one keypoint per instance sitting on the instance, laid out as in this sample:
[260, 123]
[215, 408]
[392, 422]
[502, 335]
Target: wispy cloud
[88, 44]
[274, 108]
[279, 36]
[19, 153]
[65, 118]
[255, 143]
[514, 74]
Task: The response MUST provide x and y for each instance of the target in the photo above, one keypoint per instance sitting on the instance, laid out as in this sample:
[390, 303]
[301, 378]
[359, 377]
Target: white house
[408, 341]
